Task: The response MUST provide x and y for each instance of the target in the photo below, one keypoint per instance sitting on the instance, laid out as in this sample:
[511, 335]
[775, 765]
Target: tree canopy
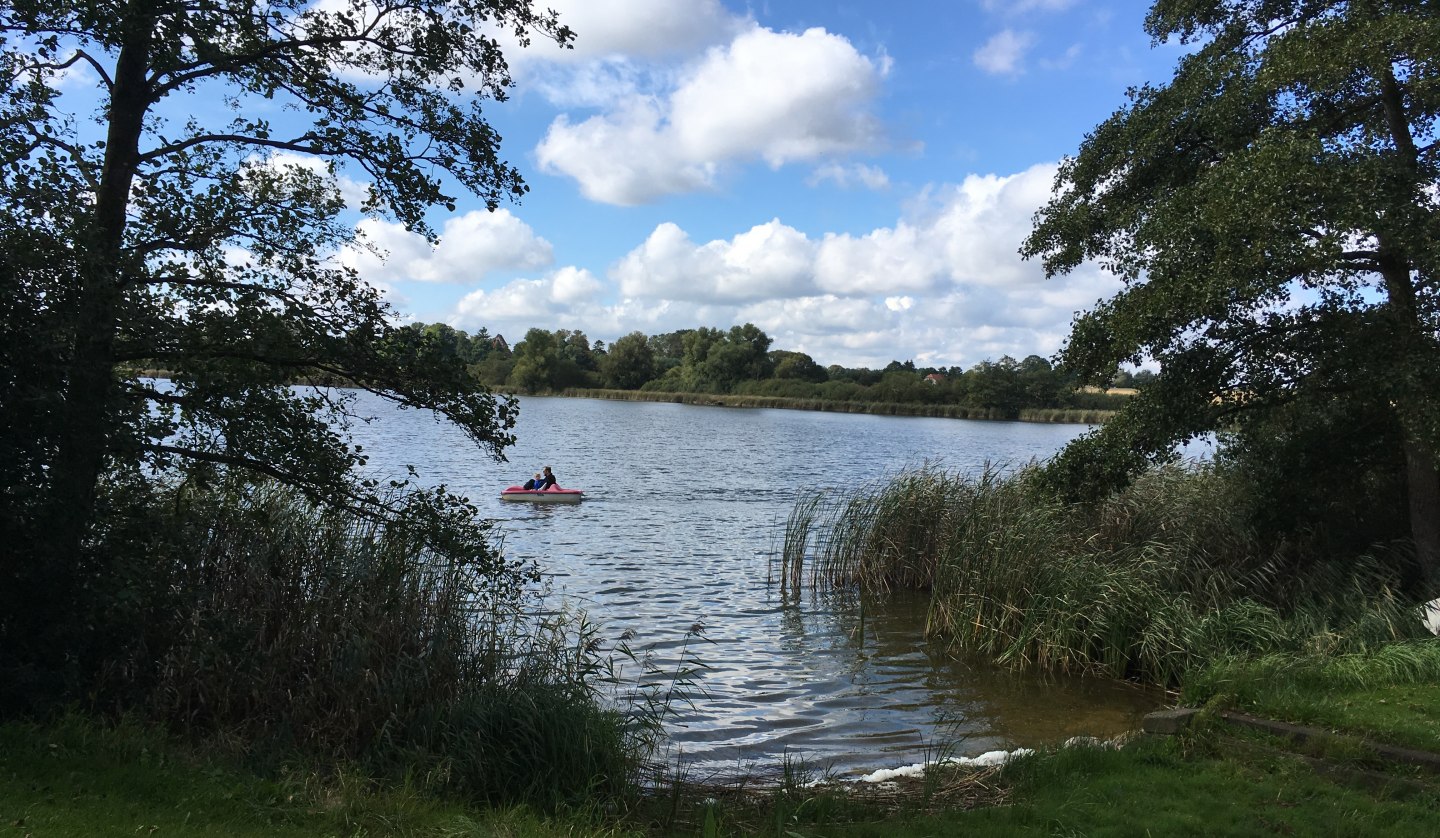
[1272, 211]
[143, 230]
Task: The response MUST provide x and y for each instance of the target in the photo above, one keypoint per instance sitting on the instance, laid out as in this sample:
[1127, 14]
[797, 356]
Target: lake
[671, 552]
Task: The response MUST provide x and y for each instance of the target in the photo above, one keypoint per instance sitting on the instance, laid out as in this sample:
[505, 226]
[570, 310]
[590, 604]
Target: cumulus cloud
[532, 301]
[471, 246]
[769, 260]
[621, 48]
[1002, 54]
[642, 27]
[726, 108]
[943, 285]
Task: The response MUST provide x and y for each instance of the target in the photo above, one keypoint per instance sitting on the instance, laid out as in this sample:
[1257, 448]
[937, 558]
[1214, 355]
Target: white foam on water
[985, 760]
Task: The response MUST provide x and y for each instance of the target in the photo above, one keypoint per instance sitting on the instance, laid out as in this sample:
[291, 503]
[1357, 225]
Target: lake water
[672, 552]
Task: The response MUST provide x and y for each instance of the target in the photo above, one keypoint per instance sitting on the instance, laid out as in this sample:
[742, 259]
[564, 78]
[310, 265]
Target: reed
[294, 628]
[1150, 584]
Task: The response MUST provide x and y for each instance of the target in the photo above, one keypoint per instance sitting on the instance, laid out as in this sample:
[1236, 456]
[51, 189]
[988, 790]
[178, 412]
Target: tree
[797, 366]
[742, 354]
[630, 362]
[206, 248]
[1272, 211]
[537, 360]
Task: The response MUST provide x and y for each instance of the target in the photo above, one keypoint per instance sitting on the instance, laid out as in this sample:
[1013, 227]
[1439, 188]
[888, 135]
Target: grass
[76, 778]
[1390, 695]
[73, 777]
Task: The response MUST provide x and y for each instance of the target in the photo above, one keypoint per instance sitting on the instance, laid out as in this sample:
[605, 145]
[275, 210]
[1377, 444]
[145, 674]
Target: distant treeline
[740, 362]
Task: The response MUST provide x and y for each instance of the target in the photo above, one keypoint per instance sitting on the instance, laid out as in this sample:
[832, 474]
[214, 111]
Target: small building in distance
[935, 378]
[499, 343]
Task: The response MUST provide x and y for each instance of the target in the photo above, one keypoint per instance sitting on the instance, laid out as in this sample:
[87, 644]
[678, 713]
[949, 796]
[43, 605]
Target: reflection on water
[682, 518]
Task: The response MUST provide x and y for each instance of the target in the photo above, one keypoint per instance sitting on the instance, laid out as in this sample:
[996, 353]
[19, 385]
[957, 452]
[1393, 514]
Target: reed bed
[879, 408]
[1155, 581]
[290, 628]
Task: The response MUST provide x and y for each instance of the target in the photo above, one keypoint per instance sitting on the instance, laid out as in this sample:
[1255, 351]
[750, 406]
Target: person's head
[547, 469]
[538, 475]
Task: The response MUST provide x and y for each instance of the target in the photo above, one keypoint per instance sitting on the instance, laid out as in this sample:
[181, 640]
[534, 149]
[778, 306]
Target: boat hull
[542, 496]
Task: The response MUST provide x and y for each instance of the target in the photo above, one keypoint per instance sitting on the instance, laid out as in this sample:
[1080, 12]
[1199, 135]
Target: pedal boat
[542, 495]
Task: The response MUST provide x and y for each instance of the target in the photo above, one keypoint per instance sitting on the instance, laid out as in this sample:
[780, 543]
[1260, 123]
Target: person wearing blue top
[534, 482]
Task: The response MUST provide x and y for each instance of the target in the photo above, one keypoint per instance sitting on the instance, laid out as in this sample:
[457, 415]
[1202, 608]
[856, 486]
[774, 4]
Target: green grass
[75, 778]
[1390, 695]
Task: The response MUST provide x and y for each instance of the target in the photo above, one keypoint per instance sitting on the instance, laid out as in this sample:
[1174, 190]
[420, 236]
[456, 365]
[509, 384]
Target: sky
[854, 178]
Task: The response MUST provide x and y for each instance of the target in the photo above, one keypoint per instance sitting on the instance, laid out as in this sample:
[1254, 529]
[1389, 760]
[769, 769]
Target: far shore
[942, 411]
[1047, 415]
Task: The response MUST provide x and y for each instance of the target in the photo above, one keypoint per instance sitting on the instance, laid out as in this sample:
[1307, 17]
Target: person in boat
[548, 481]
[534, 482]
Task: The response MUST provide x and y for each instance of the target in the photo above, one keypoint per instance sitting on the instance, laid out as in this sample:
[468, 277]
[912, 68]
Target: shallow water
[672, 551]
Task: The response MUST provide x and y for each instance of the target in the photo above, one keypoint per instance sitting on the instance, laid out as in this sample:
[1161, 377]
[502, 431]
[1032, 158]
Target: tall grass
[1155, 581]
[298, 629]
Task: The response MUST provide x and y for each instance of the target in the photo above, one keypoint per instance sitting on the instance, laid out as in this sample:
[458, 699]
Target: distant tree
[797, 366]
[537, 360]
[630, 362]
[1042, 384]
[668, 350]
[742, 354]
[996, 385]
[1273, 213]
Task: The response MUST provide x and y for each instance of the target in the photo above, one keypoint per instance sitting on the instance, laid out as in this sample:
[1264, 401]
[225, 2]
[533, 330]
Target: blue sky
[852, 177]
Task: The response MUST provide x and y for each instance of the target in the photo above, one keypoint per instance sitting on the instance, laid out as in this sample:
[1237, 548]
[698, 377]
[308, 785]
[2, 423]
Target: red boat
[551, 495]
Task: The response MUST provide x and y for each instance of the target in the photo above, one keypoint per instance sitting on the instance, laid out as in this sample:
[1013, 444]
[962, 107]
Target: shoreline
[1054, 416]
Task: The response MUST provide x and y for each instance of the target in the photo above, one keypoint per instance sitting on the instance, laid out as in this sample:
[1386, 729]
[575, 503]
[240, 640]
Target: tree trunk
[1423, 484]
[86, 421]
[1418, 347]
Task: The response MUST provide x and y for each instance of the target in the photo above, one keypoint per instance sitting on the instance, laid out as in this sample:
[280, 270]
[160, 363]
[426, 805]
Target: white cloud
[471, 246]
[1001, 55]
[943, 285]
[622, 48]
[621, 158]
[726, 108]
[535, 302]
[642, 27]
[881, 261]
[856, 174]
[768, 261]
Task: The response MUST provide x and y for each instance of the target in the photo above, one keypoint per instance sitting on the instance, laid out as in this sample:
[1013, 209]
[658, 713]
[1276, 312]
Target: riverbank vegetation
[1152, 582]
[738, 368]
[71, 777]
